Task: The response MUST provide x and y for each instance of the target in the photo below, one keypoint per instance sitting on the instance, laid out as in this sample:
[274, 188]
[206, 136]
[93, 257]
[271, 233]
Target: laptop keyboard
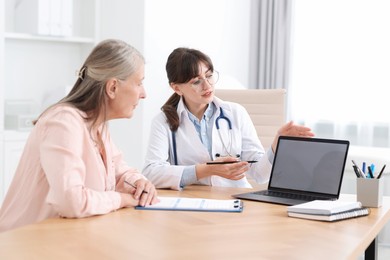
[291, 195]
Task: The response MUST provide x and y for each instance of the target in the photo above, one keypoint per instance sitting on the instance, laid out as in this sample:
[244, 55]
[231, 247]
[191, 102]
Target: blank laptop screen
[315, 165]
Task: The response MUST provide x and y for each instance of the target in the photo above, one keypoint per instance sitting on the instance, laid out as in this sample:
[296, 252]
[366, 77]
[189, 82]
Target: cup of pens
[369, 185]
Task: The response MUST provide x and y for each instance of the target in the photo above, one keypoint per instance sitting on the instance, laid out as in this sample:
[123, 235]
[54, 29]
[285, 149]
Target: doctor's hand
[291, 129]
[232, 171]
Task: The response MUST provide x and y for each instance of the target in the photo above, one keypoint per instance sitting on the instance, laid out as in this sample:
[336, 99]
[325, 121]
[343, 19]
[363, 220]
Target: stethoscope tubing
[221, 116]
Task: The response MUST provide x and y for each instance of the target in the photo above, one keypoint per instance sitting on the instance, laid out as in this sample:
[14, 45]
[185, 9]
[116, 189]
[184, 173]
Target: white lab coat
[160, 167]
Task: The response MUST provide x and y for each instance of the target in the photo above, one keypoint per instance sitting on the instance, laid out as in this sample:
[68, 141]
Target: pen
[364, 167]
[372, 168]
[356, 171]
[251, 161]
[135, 187]
[370, 172]
[229, 162]
[362, 175]
[380, 174]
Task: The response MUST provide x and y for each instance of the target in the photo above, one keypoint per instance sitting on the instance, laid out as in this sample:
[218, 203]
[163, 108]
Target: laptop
[304, 169]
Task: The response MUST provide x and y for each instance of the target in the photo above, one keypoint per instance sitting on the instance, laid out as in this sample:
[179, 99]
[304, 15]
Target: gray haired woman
[70, 167]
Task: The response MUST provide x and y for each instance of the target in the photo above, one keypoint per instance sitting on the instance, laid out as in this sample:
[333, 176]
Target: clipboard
[195, 204]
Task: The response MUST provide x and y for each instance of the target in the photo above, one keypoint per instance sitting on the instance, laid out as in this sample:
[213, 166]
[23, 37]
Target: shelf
[31, 37]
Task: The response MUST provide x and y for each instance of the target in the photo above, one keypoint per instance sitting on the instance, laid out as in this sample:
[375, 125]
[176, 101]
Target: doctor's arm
[291, 129]
[157, 167]
[193, 173]
[232, 171]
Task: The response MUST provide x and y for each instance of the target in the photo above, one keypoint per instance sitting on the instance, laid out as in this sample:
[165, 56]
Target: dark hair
[182, 66]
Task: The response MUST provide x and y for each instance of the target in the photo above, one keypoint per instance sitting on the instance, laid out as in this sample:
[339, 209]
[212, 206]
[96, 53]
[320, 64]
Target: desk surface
[261, 231]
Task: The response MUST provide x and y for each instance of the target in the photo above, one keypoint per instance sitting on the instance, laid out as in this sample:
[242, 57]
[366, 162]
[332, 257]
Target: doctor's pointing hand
[290, 129]
[196, 128]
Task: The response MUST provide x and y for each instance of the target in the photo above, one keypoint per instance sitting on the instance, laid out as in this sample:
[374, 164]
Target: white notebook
[353, 213]
[324, 207]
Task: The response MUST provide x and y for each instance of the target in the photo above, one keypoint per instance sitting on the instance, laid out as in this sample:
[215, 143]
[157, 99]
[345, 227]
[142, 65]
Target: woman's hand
[127, 200]
[142, 193]
[290, 129]
[145, 192]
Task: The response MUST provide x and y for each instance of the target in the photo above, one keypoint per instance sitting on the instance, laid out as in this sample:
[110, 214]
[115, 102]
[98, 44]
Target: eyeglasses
[211, 78]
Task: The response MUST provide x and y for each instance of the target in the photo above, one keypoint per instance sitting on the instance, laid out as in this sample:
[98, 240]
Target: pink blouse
[61, 172]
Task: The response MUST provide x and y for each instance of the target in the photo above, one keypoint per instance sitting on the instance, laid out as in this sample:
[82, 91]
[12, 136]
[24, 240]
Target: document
[195, 204]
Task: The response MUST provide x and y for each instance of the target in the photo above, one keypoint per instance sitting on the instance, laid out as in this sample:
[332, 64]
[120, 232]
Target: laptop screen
[309, 164]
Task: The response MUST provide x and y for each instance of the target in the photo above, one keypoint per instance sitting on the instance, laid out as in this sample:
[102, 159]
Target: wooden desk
[261, 231]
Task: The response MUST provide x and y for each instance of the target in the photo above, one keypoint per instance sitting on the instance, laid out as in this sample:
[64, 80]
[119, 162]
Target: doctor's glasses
[211, 78]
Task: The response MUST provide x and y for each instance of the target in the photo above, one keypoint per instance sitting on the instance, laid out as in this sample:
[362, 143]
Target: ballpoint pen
[370, 173]
[228, 162]
[380, 174]
[135, 187]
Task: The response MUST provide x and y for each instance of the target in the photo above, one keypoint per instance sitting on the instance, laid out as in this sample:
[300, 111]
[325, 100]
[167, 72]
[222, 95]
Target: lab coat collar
[182, 111]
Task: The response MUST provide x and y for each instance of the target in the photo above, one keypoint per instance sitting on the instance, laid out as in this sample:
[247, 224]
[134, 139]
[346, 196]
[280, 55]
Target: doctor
[195, 127]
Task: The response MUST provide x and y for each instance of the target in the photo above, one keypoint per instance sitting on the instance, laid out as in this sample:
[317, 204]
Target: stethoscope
[226, 146]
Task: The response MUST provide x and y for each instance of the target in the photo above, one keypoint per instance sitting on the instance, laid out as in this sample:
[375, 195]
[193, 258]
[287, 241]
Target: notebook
[304, 169]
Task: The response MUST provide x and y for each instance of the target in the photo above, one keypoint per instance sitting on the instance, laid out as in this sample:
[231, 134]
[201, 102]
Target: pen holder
[369, 192]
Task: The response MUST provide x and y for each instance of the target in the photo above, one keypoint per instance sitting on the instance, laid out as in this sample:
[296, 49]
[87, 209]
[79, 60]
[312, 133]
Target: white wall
[124, 20]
